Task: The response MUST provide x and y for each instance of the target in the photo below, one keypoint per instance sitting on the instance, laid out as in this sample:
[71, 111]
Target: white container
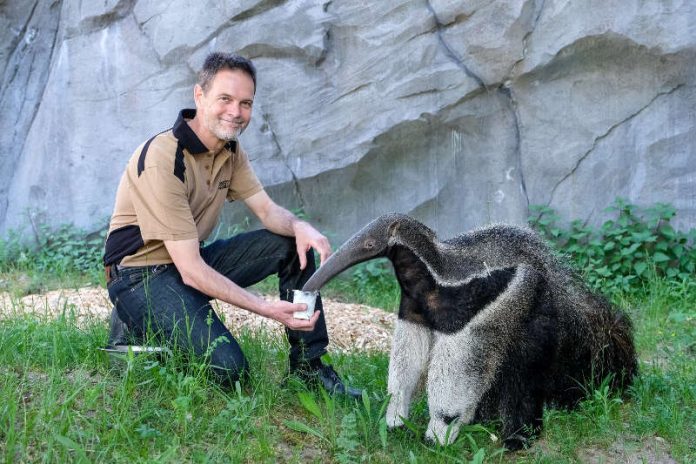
[308, 298]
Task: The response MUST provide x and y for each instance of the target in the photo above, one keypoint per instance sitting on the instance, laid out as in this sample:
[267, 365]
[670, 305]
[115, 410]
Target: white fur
[453, 390]
[409, 358]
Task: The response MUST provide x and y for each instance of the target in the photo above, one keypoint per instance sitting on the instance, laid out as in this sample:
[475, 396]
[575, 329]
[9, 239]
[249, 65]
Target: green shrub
[376, 284]
[625, 252]
[60, 251]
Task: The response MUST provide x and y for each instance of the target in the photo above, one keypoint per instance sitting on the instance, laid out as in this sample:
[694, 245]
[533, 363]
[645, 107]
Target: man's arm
[281, 221]
[197, 274]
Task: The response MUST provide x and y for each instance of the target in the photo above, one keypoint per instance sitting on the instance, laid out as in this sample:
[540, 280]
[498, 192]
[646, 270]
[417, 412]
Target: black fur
[446, 309]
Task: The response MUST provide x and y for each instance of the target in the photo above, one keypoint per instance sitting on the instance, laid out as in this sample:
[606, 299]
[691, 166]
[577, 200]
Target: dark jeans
[154, 301]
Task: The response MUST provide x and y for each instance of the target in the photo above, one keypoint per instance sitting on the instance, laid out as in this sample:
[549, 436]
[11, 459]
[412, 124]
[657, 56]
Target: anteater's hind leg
[409, 357]
[524, 380]
[521, 409]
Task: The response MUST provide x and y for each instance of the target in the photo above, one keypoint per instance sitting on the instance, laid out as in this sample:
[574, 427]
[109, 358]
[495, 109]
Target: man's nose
[233, 109]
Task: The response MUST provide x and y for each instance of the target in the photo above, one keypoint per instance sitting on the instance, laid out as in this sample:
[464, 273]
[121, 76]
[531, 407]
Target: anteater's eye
[449, 419]
[369, 244]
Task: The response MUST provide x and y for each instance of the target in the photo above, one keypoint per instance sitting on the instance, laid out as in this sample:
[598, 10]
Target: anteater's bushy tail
[614, 353]
[595, 345]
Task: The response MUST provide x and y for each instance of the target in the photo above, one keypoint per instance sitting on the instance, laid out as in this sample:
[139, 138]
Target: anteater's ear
[393, 229]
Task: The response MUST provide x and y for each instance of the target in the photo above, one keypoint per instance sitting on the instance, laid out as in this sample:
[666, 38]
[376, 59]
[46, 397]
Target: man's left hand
[307, 237]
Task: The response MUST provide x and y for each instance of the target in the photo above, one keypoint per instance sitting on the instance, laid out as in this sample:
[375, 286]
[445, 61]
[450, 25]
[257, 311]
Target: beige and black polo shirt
[174, 188]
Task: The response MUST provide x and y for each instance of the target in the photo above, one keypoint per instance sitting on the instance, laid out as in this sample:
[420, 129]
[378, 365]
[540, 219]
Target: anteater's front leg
[409, 358]
[464, 364]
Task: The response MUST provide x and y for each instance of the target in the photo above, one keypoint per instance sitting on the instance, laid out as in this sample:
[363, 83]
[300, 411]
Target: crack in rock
[449, 52]
[147, 37]
[351, 91]
[93, 24]
[42, 86]
[327, 43]
[20, 38]
[510, 98]
[279, 152]
[257, 9]
[184, 51]
[17, 69]
[539, 7]
[611, 129]
[503, 88]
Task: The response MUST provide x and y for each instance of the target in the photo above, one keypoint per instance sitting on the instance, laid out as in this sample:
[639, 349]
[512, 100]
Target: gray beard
[227, 136]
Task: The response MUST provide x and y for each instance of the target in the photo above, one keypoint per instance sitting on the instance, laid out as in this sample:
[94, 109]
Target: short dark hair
[217, 61]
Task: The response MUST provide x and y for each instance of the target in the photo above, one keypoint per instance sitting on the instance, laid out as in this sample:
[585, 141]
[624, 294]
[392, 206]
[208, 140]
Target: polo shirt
[174, 188]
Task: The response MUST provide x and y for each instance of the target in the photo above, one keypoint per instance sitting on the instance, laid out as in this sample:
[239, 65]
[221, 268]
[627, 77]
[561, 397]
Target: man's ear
[197, 94]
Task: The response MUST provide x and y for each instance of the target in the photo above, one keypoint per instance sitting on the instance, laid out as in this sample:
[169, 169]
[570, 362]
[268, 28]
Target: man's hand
[283, 312]
[307, 237]
[283, 222]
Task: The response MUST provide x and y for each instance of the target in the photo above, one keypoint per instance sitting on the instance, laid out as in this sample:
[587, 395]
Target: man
[160, 277]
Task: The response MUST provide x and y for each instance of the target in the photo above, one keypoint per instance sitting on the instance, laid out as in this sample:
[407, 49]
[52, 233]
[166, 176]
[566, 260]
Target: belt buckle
[158, 267]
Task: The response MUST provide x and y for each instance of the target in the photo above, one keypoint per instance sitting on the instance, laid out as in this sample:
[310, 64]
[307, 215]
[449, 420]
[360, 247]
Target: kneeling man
[159, 275]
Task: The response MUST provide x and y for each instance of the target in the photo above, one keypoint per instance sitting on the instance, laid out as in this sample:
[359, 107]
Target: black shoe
[317, 373]
[118, 330]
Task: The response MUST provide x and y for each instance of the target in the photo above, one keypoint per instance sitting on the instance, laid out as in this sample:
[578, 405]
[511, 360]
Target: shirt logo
[223, 184]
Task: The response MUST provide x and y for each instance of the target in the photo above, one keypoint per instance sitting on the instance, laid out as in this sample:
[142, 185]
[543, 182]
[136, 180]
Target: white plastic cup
[308, 298]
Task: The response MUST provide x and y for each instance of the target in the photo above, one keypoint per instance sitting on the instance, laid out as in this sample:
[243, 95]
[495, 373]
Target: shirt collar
[190, 141]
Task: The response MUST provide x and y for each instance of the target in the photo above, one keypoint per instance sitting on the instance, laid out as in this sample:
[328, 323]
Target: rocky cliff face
[457, 112]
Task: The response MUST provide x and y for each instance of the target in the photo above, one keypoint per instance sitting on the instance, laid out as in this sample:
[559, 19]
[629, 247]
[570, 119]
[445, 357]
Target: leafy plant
[624, 252]
[54, 252]
[601, 406]
[347, 441]
[372, 273]
[372, 424]
[374, 280]
[344, 440]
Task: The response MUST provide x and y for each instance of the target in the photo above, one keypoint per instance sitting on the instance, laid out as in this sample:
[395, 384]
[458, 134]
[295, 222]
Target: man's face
[226, 106]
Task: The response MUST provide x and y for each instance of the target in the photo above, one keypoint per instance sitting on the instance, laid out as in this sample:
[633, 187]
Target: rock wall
[457, 112]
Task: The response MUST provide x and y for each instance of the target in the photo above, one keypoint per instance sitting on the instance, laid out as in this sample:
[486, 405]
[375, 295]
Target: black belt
[112, 270]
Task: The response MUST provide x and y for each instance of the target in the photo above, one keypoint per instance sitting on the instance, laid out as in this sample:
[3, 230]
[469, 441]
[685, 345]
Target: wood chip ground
[352, 327]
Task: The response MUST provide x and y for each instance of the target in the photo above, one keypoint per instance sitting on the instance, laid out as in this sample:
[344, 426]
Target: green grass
[62, 400]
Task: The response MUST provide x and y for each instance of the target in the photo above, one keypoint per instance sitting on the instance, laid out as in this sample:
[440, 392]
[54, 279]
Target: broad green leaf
[300, 427]
[640, 267]
[383, 432]
[307, 400]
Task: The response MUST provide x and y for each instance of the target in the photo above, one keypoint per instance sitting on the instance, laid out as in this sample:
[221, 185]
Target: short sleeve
[244, 181]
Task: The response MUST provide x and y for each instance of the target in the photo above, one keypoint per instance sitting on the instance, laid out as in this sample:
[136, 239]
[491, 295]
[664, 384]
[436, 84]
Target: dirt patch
[653, 450]
[352, 327]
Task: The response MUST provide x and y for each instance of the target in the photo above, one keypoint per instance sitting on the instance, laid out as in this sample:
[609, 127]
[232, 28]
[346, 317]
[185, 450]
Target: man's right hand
[284, 312]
